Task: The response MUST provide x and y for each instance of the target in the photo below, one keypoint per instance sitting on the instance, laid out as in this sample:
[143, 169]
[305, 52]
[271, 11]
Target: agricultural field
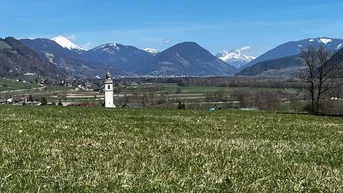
[7, 85]
[171, 88]
[61, 149]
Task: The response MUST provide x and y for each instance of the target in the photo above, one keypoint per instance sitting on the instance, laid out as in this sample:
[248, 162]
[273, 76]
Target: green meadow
[7, 85]
[76, 149]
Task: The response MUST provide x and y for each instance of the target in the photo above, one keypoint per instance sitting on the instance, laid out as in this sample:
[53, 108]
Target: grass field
[60, 149]
[6, 85]
[171, 88]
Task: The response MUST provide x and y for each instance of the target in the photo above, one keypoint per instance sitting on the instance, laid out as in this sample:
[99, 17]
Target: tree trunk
[313, 99]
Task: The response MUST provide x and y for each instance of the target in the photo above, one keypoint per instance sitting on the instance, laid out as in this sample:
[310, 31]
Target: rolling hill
[286, 66]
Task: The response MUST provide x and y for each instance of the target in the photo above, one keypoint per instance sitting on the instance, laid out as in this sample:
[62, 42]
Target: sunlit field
[61, 149]
[6, 85]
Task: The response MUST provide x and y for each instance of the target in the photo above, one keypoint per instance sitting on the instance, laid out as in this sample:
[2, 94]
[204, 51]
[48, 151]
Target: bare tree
[320, 74]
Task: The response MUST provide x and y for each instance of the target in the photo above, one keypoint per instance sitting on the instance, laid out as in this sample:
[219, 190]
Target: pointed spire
[108, 75]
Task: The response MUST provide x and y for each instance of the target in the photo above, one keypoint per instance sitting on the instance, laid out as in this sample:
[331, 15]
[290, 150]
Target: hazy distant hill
[188, 59]
[286, 66]
[16, 59]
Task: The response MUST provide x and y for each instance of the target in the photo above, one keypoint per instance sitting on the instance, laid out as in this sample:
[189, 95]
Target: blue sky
[159, 24]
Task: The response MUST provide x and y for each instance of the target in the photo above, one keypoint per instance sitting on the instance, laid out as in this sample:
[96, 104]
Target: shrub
[181, 106]
[44, 102]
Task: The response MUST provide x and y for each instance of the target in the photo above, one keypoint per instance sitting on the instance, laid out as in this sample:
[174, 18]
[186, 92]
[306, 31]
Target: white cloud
[166, 40]
[245, 48]
[71, 37]
[87, 45]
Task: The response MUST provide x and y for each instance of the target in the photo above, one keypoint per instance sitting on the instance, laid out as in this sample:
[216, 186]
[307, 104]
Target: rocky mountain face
[16, 59]
[236, 57]
[70, 59]
[189, 59]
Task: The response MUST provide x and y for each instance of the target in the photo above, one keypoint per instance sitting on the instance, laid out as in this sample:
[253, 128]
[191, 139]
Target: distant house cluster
[18, 100]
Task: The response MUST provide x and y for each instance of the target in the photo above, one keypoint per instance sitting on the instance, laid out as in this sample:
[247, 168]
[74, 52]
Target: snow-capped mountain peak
[65, 43]
[325, 40]
[109, 47]
[151, 51]
[236, 57]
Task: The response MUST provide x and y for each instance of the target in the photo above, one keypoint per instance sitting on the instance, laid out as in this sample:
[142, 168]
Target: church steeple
[108, 75]
[109, 91]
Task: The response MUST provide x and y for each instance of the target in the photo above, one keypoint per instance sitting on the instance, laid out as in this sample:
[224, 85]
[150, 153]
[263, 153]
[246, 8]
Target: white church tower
[109, 91]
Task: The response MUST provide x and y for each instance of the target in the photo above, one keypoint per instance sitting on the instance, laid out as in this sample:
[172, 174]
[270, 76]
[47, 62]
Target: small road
[22, 90]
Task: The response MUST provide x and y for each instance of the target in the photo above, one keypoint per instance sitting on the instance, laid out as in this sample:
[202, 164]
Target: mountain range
[127, 58]
[59, 57]
[187, 59]
[65, 43]
[184, 59]
[16, 60]
[284, 60]
[69, 57]
[151, 51]
[236, 57]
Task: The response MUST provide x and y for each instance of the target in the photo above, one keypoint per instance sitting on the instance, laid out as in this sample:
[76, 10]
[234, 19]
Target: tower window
[108, 87]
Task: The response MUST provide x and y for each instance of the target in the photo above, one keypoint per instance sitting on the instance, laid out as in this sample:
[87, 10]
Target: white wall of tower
[109, 93]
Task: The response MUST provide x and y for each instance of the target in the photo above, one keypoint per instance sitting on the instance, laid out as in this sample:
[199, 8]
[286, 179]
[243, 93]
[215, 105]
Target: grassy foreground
[45, 149]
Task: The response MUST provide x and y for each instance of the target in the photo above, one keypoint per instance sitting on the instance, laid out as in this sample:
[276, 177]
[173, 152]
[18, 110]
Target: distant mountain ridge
[236, 57]
[16, 59]
[151, 51]
[65, 43]
[287, 66]
[124, 57]
[187, 59]
[284, 60]
[294, 48]
[69, 59]
[183, 59]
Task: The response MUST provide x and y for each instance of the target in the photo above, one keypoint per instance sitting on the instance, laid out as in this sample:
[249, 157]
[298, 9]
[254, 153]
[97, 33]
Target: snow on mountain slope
[65, 43]
[151, 51]
[109, 47]
[294, 48]
[236, 57]
[325, 40]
